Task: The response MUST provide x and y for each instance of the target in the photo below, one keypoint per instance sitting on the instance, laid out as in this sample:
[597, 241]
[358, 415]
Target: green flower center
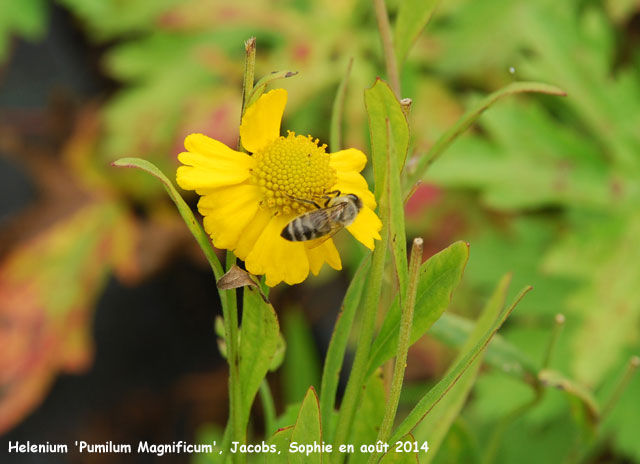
[293, 172]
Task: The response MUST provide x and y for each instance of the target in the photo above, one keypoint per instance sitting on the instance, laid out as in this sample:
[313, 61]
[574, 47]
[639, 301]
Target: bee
[338, 212]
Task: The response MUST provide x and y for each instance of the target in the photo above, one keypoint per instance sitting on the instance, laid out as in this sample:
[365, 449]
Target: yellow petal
[249, 235]
[210, 164]
[324, 252]
[278, 259]
[227, 212]
[352, 182]
[261, 121]
[366, 227]
[351, 159]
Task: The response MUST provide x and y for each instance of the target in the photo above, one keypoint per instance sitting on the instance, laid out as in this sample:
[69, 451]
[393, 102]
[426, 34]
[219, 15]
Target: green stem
[249, 75]
[632, 367]
[359, 369]
[335, 133]
[269, 408]
[387, 45]
[555, 334]
[235, 394]
[404, 341]
[238, 425]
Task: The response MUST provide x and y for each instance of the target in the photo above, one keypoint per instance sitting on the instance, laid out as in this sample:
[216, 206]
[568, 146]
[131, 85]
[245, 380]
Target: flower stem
[359, 370]
[632, 367]
[335, 137]
[404, 341]
[235, 394]
[387, 45]
[249, 75]
[558, 323]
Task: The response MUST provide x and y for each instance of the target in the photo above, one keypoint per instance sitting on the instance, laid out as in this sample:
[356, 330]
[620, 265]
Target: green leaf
[184, 210]
[426, 404]
[435, 426]
[382, 105]
[281, 439]
[468, 119]
[368, 417]
[301, 366]
[413, 16]
[439, 276]
[258, 345]
[401, 457]
[338, 344]
[307, 429]
[395, 204]
[453, 330]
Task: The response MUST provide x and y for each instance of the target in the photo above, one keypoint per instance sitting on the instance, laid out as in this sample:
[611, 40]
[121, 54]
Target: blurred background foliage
[543, 187]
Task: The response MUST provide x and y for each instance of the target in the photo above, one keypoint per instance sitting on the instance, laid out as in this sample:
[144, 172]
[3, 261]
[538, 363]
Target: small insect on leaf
[237, 277]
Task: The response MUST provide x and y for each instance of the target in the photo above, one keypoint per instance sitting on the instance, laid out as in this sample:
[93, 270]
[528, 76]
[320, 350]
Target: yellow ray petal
[366, 227]
[325, 252]
[278, 259]
[227, 212]
[261, 121]
[351, 159]
[249, 235]
[352, 182]
[210, 164]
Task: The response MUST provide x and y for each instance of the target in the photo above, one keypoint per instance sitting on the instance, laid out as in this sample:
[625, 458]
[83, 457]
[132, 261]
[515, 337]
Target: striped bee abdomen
[308, 226]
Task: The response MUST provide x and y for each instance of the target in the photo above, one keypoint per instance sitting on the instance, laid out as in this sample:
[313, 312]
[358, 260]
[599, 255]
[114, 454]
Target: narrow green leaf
[439, 276]
[281, 440]
[184, 210]
[395, 204]
[413, 16]
[382, 105]
[454, 330]
[468, 119]
[397, 453]
[435, 426]
[426, 404]
[258, 345]
[369, 416]
[338, 344]
[308, 429]
[261, 85]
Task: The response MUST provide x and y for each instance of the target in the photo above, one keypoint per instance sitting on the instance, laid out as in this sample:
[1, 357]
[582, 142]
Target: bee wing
[333, 212]
[335, 228]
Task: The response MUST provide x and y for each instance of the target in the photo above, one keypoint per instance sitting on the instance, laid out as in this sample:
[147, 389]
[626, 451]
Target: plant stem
[558, 324]
[632, 367]
[335, 138]
[235, 394]
[269, 408]
[404, 341]
[359, 370]
[248, 78]
[238, 427]
[387, 45]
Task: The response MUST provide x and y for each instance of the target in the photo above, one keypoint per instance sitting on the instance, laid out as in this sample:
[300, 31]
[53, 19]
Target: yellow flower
[248, 200]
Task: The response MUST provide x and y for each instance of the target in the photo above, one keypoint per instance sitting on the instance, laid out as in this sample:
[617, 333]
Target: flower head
[247, 200]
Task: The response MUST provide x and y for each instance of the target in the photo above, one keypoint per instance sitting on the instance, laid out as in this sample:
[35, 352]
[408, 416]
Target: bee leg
[329, 196]
[309, 202]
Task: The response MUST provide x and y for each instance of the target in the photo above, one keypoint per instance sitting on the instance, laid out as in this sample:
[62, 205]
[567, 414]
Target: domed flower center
[293, 172]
